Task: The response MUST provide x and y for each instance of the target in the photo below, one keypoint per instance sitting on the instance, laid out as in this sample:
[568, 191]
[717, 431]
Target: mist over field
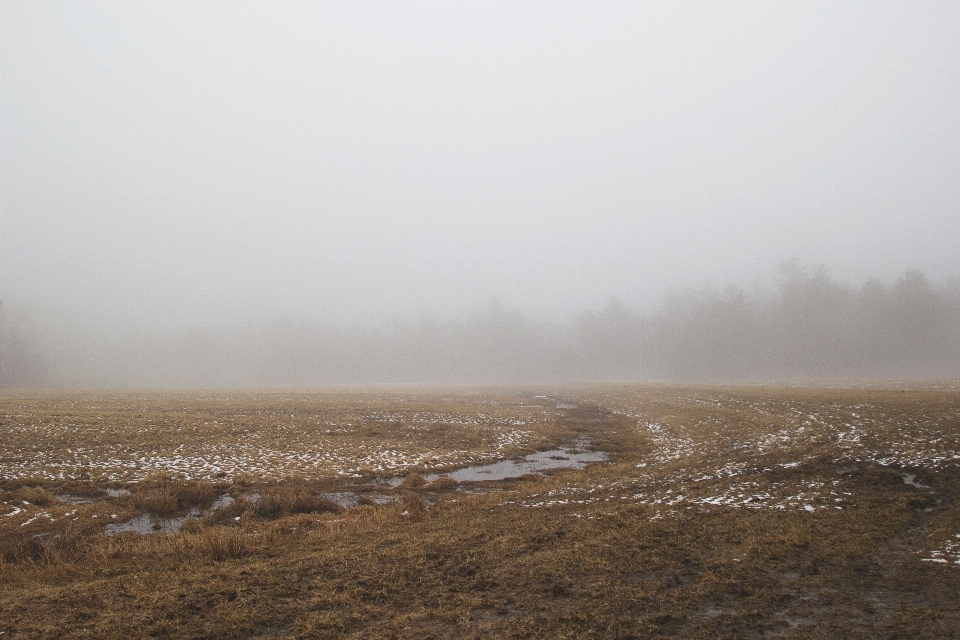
[808, 326]
[214, 194]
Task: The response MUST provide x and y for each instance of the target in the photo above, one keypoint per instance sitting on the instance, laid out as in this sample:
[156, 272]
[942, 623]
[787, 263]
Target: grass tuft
[291, 500]
[413, 481]
[162, 495]
[37, 496]
[443, 483]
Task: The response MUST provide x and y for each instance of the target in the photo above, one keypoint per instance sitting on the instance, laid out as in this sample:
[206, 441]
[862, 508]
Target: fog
[305, 193]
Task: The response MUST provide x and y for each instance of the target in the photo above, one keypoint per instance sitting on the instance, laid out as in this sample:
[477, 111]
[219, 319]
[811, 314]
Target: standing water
[563, 458]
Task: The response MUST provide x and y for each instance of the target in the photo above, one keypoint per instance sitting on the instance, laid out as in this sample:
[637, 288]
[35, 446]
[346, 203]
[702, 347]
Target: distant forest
[806, 326]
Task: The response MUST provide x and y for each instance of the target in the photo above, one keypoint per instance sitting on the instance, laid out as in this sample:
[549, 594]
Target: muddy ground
[720, 512]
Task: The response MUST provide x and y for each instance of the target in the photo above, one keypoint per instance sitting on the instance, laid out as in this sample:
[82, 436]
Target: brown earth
[726, 512]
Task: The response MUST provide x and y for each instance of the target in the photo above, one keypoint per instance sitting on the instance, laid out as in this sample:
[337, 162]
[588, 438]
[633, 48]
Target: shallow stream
[575, 457]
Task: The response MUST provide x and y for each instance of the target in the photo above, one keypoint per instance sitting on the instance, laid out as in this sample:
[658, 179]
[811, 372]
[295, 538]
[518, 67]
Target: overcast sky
[192, 162]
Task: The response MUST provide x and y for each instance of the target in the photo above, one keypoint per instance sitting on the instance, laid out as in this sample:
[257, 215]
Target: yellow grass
[126, 437]
[724, 512]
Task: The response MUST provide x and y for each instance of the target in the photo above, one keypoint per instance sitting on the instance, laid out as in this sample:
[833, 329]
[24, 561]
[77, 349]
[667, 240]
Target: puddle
[223, 501]
[69, 498]
[565, 458]
[713, 612]
[350, 499]
[911, 479]
[559, 404]
[574, 457]
[148, 523]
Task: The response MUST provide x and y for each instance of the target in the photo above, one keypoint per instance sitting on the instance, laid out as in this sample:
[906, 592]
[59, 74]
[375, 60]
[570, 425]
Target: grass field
[723, 512]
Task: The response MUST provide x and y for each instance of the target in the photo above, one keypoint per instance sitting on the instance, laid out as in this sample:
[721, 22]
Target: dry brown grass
[291, 500]
[36, 495]
[126, 437]
[718, 518]
[412, 481]
[162, 495]
[443, 483]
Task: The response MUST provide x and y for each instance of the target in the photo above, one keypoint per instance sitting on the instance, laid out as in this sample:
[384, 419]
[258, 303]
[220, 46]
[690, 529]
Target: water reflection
[564, 458]
[350, 499]
[383, 491]
[148, 523]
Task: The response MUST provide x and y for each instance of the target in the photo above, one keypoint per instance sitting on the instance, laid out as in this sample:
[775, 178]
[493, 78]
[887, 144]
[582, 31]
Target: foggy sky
[167, 163]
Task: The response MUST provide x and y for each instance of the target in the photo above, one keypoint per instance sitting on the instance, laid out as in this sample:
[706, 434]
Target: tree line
[807, 325]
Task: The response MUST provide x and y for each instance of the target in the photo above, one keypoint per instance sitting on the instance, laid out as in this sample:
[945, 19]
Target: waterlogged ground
[620, 512]
[87, 448]
[210, 436]
[731, 449]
